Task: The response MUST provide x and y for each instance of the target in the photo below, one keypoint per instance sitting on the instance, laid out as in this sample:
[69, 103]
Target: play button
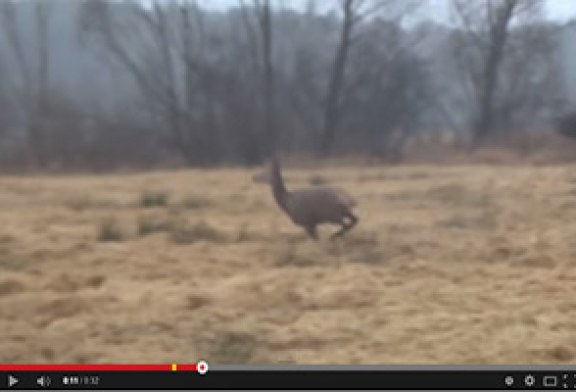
[12, 381]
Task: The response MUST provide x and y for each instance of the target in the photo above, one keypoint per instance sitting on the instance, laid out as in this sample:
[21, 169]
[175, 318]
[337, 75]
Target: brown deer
[312, 206]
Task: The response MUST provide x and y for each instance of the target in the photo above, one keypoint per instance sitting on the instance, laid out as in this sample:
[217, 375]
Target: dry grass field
[467, 264]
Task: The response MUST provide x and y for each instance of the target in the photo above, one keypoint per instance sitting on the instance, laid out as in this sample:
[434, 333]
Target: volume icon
[43, 381]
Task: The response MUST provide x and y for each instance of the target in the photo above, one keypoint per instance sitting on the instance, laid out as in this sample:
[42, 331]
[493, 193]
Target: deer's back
[319, 204]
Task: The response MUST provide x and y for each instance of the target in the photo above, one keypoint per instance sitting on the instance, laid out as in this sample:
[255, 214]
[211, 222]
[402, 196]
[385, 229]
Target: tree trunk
[332, 108]
[484, 124]
[269, 88]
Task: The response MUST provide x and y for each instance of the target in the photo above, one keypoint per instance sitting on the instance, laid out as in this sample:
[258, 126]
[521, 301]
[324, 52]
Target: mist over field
[142, 220]
[96, 85]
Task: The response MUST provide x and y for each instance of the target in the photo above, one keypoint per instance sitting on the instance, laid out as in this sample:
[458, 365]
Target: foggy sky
[437, 10]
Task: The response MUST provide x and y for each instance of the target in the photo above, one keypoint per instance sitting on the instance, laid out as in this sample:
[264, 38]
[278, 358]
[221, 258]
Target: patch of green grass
[148, 224]
[246, 235]
[154, 199]
[232, 348]
[110, 230]
[289, 256]
[360, 247]
[195, 202]
[86, 203]
[391, 176]
[458, 195]
[184, 234]
[484, 221]
[15, 261]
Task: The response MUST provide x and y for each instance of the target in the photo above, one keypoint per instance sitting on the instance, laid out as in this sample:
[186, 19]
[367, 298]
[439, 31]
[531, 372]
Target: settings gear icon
[529, 380]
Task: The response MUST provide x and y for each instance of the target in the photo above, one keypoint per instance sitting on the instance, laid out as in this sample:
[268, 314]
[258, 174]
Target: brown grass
[517, 148]
[150, 199]
[110, 230]
[468, 264]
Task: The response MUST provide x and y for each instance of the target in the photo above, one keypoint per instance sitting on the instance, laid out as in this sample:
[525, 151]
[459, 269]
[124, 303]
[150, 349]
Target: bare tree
[155, 47]
[354, 13]
[388, 91]
[485, 45]
[258, 24]
[269, 93]
[33, 67]
[333, 98]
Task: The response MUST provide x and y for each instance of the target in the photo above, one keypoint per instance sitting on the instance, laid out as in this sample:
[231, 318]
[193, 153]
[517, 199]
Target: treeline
[107, 84]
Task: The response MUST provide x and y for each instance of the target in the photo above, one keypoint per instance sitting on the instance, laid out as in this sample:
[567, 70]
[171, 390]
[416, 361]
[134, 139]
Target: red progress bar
[187, 367]
[99, 367]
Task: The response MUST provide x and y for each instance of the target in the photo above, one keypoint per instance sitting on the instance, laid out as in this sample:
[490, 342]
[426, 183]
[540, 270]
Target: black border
[299, 380]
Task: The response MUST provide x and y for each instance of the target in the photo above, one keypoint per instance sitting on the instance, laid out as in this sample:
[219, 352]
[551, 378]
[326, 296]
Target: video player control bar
[199, 377]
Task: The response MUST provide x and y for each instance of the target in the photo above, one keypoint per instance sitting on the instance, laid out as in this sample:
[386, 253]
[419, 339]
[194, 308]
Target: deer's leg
[353, 220]
[311, 230]
[346, 226]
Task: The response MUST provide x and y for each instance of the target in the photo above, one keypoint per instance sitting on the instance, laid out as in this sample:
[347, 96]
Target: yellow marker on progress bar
[174, 367]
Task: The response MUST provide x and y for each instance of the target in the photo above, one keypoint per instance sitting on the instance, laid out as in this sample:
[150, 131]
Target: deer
[312, 206]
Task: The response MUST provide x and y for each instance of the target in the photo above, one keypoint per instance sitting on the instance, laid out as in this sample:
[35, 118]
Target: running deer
[312, 206]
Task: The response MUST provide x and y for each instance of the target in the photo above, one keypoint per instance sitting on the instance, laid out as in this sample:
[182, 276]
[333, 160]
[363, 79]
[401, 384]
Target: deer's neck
[278, 188]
